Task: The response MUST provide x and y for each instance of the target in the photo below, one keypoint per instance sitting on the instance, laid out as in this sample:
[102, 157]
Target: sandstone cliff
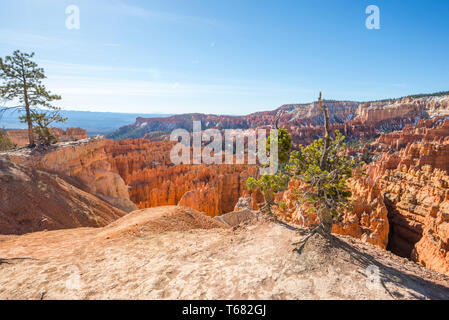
[411, 177]
[435, 130]
[373, 112]
[20, 137]
[155, 181]
[84, 164]
[416, 196]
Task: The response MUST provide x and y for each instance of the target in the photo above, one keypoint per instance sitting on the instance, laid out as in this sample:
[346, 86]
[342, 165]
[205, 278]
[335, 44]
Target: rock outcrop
[412, 177]
[20, 137]
[373, 112]
[416, 196]
[430, 130]
[84, 164]
[237, 218]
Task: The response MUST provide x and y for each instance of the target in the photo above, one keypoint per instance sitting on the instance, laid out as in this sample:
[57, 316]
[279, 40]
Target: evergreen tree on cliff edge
[323, 169]
[21, 84]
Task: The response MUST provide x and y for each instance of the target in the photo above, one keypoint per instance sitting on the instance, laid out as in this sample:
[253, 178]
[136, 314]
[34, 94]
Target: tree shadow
[390, 274]
[418, 287]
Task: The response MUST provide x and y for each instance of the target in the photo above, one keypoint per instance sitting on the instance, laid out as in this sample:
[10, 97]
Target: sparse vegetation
[323, 169]
[128, 132]
[5, 143]
[417, 96]
[42, 122]
[269, 184]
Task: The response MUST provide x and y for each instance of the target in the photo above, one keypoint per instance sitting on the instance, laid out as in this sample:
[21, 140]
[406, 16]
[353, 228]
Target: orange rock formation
[414, 185]
[155, 181]
[20, 137]
[84, 164]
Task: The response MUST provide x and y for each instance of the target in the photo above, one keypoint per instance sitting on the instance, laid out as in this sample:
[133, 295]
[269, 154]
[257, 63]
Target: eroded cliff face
[358, 121]
[82, 163]
[20, 137]
[155, 181]
[402, 202]
[414, 185]
[416, 196]
[373, 112]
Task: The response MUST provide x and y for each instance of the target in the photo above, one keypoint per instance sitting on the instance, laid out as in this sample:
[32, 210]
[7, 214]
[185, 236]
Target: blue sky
[229, 57]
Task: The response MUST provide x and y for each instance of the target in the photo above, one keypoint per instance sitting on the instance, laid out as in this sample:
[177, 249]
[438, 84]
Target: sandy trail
[177, 253]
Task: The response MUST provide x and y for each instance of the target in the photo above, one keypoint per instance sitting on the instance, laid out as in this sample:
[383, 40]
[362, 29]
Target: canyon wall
[298, 115]
[373, 112]
[412, 178]
[416, 196]
[20, 137]
[155, 181]
[402, 203]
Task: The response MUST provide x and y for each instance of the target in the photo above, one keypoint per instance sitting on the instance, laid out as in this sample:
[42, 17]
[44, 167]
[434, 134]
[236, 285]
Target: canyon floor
[178, 253]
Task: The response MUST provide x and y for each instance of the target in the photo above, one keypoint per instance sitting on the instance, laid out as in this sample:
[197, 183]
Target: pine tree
[41, 125]
[22, 84]
[323, 168]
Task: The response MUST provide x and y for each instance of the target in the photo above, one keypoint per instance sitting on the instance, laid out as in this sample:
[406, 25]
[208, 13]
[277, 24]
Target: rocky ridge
[304, 121]
[32, 200]
[20, 137]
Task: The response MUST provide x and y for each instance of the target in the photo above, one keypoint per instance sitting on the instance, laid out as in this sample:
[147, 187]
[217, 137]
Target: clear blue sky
[229, 56]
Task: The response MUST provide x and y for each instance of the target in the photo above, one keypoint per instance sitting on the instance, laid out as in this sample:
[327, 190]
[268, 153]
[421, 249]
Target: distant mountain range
[95, 123]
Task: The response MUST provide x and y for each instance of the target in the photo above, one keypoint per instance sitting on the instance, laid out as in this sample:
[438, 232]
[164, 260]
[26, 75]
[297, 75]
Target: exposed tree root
[320, 229]
[265, 209]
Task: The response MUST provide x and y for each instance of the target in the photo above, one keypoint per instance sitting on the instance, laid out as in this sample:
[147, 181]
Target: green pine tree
[21, 84]
[269, 184]
[323, 168]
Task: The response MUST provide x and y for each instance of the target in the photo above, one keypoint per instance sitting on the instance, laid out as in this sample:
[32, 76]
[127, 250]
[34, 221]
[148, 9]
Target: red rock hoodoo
[155, 181]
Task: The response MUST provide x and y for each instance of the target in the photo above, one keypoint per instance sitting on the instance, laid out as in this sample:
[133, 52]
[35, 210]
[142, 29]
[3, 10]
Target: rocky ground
[177, 253]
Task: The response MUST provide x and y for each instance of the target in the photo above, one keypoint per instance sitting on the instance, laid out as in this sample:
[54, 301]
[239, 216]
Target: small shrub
[6, 143]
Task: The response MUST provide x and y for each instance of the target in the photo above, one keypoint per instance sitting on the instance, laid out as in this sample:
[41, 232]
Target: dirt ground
[177, 253]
